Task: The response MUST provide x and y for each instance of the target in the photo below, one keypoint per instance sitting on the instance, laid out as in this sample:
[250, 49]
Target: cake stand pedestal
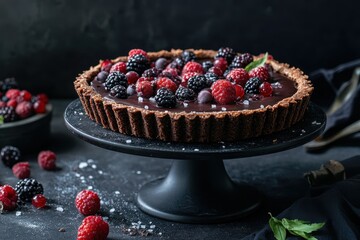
[197, 188]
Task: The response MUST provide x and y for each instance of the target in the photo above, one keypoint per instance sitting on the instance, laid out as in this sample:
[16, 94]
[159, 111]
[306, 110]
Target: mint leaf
[299, 225]
[277, 228]
[304, 235]
[1, 119]
[257, 63]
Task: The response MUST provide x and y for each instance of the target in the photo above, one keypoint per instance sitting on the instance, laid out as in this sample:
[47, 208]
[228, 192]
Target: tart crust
[199, 127]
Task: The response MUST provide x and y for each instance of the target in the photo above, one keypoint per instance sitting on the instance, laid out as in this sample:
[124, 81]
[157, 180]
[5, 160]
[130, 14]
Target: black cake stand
[197, 188]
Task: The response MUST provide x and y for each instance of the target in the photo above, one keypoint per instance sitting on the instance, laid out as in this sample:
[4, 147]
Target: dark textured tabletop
[117, 177]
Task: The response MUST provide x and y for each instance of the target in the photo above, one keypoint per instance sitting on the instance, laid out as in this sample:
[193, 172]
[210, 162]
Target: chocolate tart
[225, 123]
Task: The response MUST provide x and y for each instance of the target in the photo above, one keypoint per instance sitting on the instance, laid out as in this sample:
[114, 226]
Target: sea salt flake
[105, 218]
[146, 107]
[91, 177]
[186, 104]
[183, 149]
[82, 177]
[143, 226]
[150, 231]
[117, 192]
[152, 99]
[81, 113]
[18, 213]
[152, 226]
[60, 209]
[261, 106]
[140, 99]
[138, 172]
[100, 172]
[223, 146]
[112, 210]
[303, 131]
[213, 105]
[196, 150]
[83, 165]
[246, 102]
[90, 160]
[77, 175]
[223, 109]
[160, 233]
[128, 141]
[94, 166]
[90, 187]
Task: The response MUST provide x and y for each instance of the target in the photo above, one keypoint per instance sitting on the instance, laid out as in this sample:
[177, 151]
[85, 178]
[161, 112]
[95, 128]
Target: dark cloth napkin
[338, 205]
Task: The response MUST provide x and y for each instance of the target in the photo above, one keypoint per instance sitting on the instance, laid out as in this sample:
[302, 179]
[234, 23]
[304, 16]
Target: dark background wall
[45, 44]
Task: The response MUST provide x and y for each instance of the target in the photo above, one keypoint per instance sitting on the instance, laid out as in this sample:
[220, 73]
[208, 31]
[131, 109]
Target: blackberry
[207, 65]
[184, 94]
[197, 83]
[8, 83]
[177, 63]
[188, 56]
[252, 85]
[8, 114]
[27, 188]
[137, 63]
[165, 98]
[241, 61]
[211, 78]
[115, 78]
[10, 156]
[119, 91]
[151, 73]
[227, 53]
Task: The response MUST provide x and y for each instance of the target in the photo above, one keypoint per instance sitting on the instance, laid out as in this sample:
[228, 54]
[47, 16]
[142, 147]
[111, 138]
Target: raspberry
[24, 109]
[144, 89]
[207, 65]
[8, 114]
[135, 51]
[39, 107]
[12, 93]
[193, 67]
[166, 83]
[118, 67]
[137, 63]
[105, 65]
[165, 98]
[119, 91]
[211, 78]
[47, 160]
[184, 94]
[12, 103]
[161, 63]
[39, 201]
[93, 228]
[238, 76]
[265, 89]
[115, 78]
[261, 73]
[188, 56]
[241, 61]
[252, 86]
[21, 170]
[239, 91]
[10, 156]
[186, 77]
[27, 188]
[25, 95]
[150, 73]
[8, 198]
[197, 83]
[221, 63]
[87, 202]
[223, 92]
[227, 53]
[132, 77]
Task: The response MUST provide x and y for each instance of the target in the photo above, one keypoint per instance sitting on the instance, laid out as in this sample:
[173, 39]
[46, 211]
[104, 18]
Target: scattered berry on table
[164, 82]
[193, 67]
[119, 91]
[24, 110]
[8, 197]
[260, 72]
[165, 98]
[223, 92]
[238, 76]
[27, 188]
[145, 89]
[265, 89]
[47, 160]
[10, 155]
[227, 53]
[252, 85]
[118, 67]
[21, 170]
[8, 114]
[87, 202]
[197, 83]
[93, 228]
[115, 78]
[184, 94]
[39, 201]
[188, 56]
[138, 63]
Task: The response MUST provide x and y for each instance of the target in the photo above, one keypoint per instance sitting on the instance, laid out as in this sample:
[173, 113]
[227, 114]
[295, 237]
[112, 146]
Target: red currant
[221, 63]
[39, 107]
[265, 89]
[39, 201]
[239, 91]
[216, 70]
[106, 65]
[132, 77]
[26, 95]
[43, 97]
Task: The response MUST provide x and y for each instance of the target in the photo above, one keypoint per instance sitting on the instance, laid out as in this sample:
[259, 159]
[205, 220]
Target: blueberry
[101, 77]
[131, 90]
[204, 96]
[161, 63]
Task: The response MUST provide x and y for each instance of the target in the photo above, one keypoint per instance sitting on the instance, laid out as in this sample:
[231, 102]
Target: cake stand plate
[197, 188]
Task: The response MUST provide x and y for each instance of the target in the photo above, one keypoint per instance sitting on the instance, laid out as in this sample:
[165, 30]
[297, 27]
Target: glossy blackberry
[7, 84]
[119, 91]
[211, 78]
[185, 94]
[197, 83]
[252, 85]
[177, 63]
[188, 56]
[27, 188]
[151, 73]
[227, 53]
[165, 98]
[8, 114]
[241, 61]
[115, 78]
[10, 156]
[137, 63]
[207, 65]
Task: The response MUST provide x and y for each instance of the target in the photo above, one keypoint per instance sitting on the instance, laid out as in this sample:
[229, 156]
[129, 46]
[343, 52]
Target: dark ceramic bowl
[30, 134]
